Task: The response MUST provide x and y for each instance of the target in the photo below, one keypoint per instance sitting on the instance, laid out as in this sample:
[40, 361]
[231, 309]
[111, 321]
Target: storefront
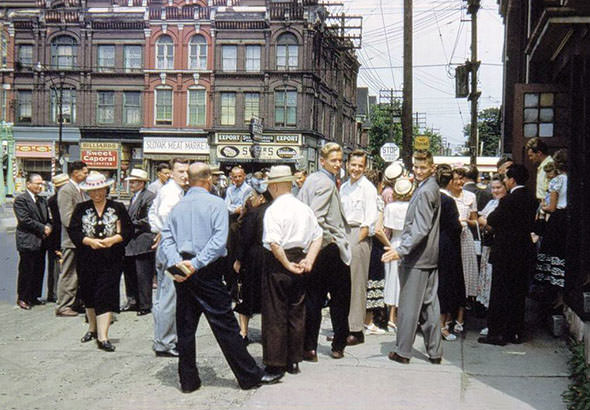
[33, 157]
[163, 149]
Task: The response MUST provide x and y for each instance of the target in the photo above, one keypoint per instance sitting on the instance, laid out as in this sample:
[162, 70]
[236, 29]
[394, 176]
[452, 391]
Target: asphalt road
[8, 262]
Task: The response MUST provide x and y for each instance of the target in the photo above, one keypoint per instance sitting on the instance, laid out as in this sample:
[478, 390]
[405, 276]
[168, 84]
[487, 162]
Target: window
[230, 58]
[287, 52]
[24, 107]
[197, 107]
[25, 55]
[164, 106]
[3, 49]
[251, 106]
[131, 107]
[106, 58]
[132, 58]
[539, 115]
[197, 53]
[3, 93]
[165, 53]
[64, 51]
[253, 58]
[68, 106]
[106, 107]
[228, 108]
[285, 108]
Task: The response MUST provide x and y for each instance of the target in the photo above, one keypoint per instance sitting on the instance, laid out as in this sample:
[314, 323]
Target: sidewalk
[43, 365]
[7, 217]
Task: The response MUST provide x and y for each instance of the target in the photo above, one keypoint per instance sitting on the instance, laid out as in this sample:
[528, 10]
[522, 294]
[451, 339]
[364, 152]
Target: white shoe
[484, 332]
[373, 330]
[458, 328]
[391, 326]
[449, 337]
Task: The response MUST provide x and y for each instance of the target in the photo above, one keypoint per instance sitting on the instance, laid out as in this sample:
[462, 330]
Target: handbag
[477, 242]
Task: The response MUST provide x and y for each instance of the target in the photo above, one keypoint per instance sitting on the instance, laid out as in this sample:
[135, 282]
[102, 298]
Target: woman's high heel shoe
[88, 337]
[106, 346]
[446, 334]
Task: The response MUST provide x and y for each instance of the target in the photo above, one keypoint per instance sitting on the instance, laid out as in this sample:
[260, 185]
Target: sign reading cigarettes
[100, 155]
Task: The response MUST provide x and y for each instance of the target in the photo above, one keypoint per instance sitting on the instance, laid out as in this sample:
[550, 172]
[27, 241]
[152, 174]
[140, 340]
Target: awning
[69, 134]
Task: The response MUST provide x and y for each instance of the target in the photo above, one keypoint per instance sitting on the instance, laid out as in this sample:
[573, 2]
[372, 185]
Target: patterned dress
[376, 281]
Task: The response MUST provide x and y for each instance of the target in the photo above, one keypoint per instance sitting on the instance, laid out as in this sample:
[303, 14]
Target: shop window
[68, 105]
[251, 106]
[539, 115]
[164, 107]
[287, 52]
[229, 58]
[24, 106]
[253, 58]
[197, 58]
[41, 166]
[165, 53]
[64, 50]
[133, 59]
[106, 58]
[285, 108]
[228, 108]
[3, 97]
[105, 107]
[25, 55]
[197, 107]
[132, 107]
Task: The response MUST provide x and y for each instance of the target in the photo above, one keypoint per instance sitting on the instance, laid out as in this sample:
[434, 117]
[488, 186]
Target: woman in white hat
[100, 228]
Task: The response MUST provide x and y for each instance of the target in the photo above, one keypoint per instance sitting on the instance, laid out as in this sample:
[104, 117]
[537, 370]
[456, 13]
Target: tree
[382, 124]
[489, 129]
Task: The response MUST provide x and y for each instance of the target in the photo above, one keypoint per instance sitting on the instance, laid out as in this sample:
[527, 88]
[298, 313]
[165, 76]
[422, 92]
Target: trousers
[164, 310]
[139, 271]
[67, 285]
[53, 269]
[31, 267]
[359, 275]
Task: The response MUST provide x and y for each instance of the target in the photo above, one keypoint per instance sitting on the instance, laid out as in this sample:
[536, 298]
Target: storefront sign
[263, 152]
[100, 155]
[34, 150]
[288, 139]
[185, 146]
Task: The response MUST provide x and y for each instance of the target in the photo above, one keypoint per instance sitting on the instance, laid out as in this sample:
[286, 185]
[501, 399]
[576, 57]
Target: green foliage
[577, 396]
[489, 128]
[435, 141]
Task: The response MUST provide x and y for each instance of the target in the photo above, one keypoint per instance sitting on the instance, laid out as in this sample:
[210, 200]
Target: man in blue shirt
[195, 236]
[238, 192]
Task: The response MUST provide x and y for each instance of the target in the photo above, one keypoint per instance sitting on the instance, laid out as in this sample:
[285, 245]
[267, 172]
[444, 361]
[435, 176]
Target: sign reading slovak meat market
[100, 155]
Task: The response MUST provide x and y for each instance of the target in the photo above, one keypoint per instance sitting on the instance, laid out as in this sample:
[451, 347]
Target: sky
[442, 38]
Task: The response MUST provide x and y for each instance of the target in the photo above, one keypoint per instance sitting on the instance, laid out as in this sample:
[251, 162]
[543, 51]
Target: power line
[387, 43]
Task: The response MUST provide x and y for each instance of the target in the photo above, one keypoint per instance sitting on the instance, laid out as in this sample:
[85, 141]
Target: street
[8, 262]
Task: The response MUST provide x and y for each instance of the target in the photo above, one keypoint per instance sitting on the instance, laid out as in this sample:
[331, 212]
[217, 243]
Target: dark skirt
[376, 282]
[550, 268]
[451, 283]
[99, 275]
[250, 281]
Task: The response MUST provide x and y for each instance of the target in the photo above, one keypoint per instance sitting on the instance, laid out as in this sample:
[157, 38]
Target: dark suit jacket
[32, 219]
[142, 237]
[481, 195]
[53, 241]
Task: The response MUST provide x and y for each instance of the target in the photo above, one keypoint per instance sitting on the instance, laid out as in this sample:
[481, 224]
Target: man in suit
[139, 256]
[33, 226]
[331, 272]
[512, 257]
[418, 269]
[53, 241]
[67, 199]
[482, 195]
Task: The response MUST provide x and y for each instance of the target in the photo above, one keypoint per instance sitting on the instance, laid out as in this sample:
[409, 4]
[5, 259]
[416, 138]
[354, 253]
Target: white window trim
[156, 105]
[188, 110]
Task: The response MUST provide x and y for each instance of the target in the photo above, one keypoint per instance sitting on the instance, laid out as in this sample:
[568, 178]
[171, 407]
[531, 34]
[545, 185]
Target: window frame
[247, 107]
[197, 106]
[163, 121]
[70, 93]
[126, 106]
[225, 68]
[63, 43]
[128, 68]
[202, 49]
[28, 64]
[19, 99]
[100, 58]
[285, 107]
[102, 107]
[223, 107]
[288, 49]
[258, 59]
[168, 57]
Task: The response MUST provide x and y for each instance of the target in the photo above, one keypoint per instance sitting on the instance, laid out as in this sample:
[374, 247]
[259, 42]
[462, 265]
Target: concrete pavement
[44, 366]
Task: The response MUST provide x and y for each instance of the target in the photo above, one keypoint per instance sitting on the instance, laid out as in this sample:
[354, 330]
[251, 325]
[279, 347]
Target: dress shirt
[329, 174]
[290, 223]
[77, 185]
[168, 196]
[198, 225]
[559, 185]
[466, 203]
[236, 196]
[489, 208]
[542, 182]
[32, 196]
[359, 202]
[155, 186]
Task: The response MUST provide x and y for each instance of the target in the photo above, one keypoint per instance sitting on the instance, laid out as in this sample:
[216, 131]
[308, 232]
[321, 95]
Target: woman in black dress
[100, 229]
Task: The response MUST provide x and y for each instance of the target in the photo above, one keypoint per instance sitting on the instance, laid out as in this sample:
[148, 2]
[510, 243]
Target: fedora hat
[60, 179]
[393, 171]
[95, 180]
[137, 174]
[280, 173]
[403, 187]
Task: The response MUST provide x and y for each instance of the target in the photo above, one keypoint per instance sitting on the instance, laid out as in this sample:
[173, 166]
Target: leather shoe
[88, 337]
[51, 299]
[435, 360]
[492, 340]
[23, 305]
[337, 354]
[37, 302]
[271, 378]
[293, 368]
[167, 353]
[143, 312]
[355, 339]
[310, 356]
[129, 308]
[66, 312]
[106, 345]
[190, 389]
[397, 358]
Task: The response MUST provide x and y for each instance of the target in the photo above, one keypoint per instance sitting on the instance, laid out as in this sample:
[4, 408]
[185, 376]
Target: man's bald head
[199, 174]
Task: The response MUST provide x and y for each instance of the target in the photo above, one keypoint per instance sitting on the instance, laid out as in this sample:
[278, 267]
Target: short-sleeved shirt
[466, 203]
[559, 185]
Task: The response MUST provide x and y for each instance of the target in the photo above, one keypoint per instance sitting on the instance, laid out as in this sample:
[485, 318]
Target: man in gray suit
[331, 272]
[67, 199]
[418, 270]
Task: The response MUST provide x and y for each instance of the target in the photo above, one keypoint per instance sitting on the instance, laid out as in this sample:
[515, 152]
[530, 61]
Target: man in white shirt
[164, 309]
[359, 202]
[538, 153]
[295, 239]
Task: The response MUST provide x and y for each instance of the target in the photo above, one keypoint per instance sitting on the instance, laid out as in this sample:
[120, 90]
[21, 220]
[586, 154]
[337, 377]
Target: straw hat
[95, 180]
[216, 171]
[137, 174]
[60, 180]
[393, 171]
[403, 188]
[280, 173]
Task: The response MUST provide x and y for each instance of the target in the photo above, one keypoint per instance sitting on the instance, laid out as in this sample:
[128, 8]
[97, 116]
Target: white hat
[95, 180]
[280, 173]
[137, 174]
[393, 171]
[403, 187]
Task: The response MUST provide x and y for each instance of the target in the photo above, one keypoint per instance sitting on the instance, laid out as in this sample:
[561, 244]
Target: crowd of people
[386, 252]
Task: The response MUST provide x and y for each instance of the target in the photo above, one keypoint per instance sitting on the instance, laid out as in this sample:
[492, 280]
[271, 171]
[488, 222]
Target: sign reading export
[288, 139]
[154, 145]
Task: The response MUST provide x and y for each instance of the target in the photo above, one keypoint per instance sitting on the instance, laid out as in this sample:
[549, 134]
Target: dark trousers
[329, 275]
[283, 313]
[53, 270]
[139, 272]
[205, 293]
[31, 267]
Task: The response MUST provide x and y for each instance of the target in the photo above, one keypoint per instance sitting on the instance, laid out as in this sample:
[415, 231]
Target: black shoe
[167, 353]
[129, 308]
[293, 368]
[493, 340]
[435, 360]
[246, 340]
[143, 312]
[51, 299]
[355, 338]
[106, 346]
[271, 378]
[190, 389]
[88, 337]
[397, 358]
[37, 302]
[78, 308]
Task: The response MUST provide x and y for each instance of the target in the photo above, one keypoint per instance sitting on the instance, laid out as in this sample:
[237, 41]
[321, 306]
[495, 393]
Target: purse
[477, 242]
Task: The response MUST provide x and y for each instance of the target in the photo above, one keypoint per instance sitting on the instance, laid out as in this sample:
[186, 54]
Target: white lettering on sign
[389, 152]
[152, 145]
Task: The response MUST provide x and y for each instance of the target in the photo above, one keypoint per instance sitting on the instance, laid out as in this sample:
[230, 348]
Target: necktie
[38, 203]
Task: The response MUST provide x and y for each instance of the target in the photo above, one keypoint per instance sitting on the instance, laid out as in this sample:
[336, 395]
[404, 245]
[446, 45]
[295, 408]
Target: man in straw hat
[53, 241]
[331, 272]
[418, 269]
[139, 255]
[294, 238]
[194, 239]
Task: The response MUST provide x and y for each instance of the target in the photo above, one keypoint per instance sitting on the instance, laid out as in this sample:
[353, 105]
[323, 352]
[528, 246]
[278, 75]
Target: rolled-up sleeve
[271, 232]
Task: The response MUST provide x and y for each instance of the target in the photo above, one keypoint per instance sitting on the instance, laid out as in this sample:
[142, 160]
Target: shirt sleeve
[272, 231]
[228, 200]
[154, 220]
[168, 245]
[215, 246]
[370, 217]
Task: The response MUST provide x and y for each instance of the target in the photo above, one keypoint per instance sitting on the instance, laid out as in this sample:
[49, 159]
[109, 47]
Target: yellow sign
[421, 142]
[99, 145]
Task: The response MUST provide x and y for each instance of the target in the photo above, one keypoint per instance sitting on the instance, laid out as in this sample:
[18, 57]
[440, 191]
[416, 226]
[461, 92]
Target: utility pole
[407, 129]
[472, 8]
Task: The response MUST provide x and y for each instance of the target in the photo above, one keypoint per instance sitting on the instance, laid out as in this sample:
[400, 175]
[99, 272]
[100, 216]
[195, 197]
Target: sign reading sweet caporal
[100, 155]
